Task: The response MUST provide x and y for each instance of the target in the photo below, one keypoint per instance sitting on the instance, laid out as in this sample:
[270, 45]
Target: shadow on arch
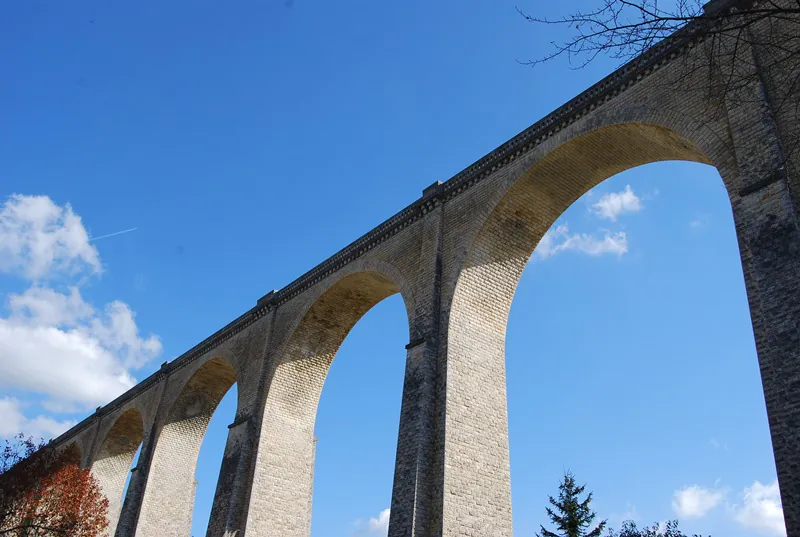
[493, 264]
[113, 461]
[283, 483]
[168, 502]
[72, 454]
[535, 200]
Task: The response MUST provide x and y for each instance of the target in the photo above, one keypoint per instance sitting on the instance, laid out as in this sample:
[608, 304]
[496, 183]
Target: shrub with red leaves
[44, 492]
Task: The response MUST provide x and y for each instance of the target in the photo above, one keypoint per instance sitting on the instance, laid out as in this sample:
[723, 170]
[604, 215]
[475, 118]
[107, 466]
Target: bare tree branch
[625, 29]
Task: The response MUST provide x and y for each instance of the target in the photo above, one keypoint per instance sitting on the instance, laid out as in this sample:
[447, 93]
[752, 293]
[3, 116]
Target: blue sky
[247, 142]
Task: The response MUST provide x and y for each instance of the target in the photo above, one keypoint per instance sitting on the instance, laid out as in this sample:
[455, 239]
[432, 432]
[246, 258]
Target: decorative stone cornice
[435, 194]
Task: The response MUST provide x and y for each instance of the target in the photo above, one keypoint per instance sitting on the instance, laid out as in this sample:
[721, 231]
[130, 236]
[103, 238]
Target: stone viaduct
[455, 256]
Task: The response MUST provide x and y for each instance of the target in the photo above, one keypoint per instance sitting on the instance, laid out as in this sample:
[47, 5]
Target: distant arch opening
[617, 362]
[357, 423]
[284, 483]
[210, 460]
[168, 501]
[112, 464]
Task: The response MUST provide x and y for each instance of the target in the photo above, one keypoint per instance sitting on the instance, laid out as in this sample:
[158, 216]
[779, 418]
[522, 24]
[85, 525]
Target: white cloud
[68, 365]
[560, 240]
[116, 330]
[13, 421]
[761, 509]
[715, 444]
[610, 206]
[613, 204]
[375, 526]
[380, 525]
[694, 501]
[38, 238]
[41, 305]
[56, 344]
[700, 221]
[52, 342]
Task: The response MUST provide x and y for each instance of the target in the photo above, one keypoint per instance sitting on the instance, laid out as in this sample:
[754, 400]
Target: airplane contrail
[113, 234]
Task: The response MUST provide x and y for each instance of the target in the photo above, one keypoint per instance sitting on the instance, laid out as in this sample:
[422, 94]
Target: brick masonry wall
[312, 331]
[113, 460]
[169, 496]
[456, 256]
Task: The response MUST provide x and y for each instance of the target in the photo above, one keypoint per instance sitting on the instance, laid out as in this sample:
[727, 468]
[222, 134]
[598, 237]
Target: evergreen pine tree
[669, 529]
[572, 517]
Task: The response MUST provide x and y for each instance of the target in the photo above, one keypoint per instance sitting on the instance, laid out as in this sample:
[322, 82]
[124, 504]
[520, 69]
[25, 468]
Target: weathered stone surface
[455, 256]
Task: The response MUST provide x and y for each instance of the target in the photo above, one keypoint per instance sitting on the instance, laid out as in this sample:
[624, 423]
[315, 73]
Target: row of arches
[171, 484]
[485, 277]
[114, 460]
[169, 496]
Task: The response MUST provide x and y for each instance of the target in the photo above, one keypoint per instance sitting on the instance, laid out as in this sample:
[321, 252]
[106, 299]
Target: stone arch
[530, 201]
[112, 464]
[363, 268]
[707, 143]
[168, 500]
[283, 482]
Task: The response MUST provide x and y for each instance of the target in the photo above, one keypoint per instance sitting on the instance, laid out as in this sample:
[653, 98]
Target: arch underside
[541, 195]
[113, 462]
[482, 301]
[285, 467]
[168, 500]
[72, 454]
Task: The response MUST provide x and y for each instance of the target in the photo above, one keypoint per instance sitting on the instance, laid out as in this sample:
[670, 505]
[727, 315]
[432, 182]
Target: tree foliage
[571, 516]
[44, 492]
[668, 529]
